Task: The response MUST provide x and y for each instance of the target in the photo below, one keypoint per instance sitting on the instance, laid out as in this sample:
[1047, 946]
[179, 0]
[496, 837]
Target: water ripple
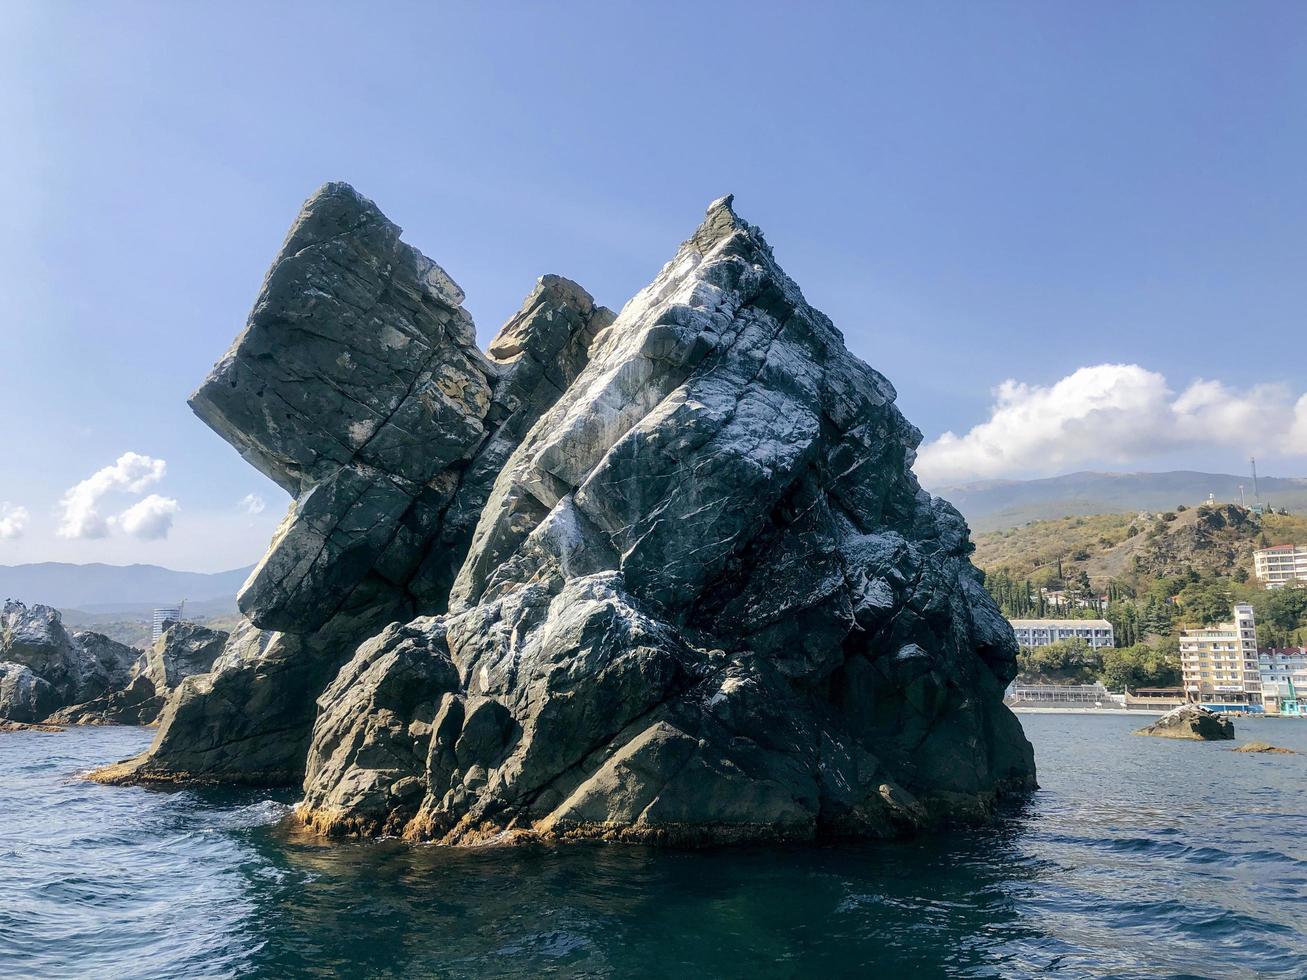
[1138, 858]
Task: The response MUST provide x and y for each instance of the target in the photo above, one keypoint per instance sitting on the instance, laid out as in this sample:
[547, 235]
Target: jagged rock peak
[357, 385]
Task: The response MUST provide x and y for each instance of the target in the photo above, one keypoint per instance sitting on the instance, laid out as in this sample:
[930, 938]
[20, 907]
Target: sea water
[1137, 857]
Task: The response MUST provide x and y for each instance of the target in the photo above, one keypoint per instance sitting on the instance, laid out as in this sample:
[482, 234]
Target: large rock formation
[673, 577]
[44, 668]
[35, 638]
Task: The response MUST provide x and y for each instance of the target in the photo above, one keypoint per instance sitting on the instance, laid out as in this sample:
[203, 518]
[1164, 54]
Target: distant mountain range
[991, 505]
[98, 589]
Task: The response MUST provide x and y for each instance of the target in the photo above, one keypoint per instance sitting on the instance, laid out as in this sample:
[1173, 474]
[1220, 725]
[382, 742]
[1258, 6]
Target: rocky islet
[664, 575]
[1191, 721]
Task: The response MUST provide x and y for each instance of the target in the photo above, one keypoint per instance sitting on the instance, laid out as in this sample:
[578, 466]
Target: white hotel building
[1097, 633]
[167, 614]
[1220, 666]
[1277, 566]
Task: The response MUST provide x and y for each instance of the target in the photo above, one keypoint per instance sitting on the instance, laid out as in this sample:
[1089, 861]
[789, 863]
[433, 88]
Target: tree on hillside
[1156, 617]
[1067, 661]
[1124, 617]
[1206, 602]
[1281, 615]
[1287, 607]
[1133, 667]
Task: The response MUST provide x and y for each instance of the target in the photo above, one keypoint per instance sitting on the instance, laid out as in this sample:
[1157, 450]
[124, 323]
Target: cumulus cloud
[13, 520]
[1298, 434]
[1113, 414]
[149, 519]
[80, 515]
[252, 504]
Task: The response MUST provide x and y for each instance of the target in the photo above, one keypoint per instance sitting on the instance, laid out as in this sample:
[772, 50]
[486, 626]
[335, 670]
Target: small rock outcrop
[106, 665]
[182, 650]
[43, 668]
[1191, 721]
[35, 638]
[1264, 748]
[665, 576]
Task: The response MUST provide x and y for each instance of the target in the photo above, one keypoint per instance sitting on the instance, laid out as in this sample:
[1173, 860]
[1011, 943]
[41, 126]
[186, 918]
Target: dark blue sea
[1138, 858]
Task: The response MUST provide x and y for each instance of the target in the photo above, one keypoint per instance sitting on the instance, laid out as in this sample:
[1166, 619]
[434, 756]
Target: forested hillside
[1150, 575]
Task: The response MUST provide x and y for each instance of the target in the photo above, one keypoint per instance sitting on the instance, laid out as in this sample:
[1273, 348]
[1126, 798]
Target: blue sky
[1072, 235]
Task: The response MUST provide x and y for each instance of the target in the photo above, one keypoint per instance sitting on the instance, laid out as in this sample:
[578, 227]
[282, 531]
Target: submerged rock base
[664, 576]
[20, 726]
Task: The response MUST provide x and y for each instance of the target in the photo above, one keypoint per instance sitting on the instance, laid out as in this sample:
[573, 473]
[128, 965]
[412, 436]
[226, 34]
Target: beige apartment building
[1277, 566]
[1219, 664]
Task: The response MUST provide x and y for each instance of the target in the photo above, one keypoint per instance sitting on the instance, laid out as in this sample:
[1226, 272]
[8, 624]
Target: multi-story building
[167, 614]
[1284, 681]
[1219, 664]
[1277, 566]
[1041, 632]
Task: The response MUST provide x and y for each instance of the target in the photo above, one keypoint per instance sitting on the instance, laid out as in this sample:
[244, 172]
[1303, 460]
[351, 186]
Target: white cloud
[13, 520]
[81, 517]
[1297, 442]
[252, 504]
[149, 519]
[1115, 414]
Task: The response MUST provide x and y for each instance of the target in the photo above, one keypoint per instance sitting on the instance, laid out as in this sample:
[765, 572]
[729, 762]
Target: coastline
[1141, 712]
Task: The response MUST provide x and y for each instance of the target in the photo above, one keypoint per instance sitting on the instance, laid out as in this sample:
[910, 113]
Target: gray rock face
[358, 387]
[35, 638]
[183, 649]
[106, 665]
[25, 696]
[665, 576]
[1191, 721]
[60, 669]
[248, 720]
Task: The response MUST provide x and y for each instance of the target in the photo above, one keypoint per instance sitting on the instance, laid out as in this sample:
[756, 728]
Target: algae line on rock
[665, 576]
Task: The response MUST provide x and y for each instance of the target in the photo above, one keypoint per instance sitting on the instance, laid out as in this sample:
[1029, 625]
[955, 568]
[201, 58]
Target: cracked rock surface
[357, 386]
[665, 576]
